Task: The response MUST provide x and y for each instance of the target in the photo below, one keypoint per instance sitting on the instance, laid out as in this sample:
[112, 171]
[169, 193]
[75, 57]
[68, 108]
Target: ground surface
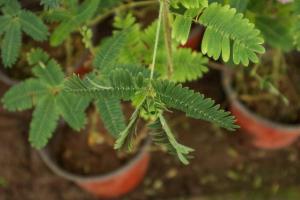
[225, 166]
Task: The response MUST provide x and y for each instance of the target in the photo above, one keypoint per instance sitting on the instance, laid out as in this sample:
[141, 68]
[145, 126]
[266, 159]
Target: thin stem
[156, 40]
[121, 8]
[168, 37]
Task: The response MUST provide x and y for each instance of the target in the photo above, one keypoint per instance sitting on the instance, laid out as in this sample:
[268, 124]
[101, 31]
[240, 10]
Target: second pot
[265, 134]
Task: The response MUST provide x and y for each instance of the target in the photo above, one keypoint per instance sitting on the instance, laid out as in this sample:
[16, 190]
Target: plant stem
[156, 40]
[121, 8]
[168, 37]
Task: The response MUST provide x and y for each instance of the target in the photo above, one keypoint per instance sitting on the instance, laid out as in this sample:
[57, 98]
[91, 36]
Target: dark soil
[224, 167]
[262, 101]
[88, 153]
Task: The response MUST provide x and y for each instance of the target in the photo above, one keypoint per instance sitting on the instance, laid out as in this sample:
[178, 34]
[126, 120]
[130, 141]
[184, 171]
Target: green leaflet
[24, 95]
[182, 25]
[79, 16]
[125, 138]
[49, 73]
[109, 51]
[188, 65]
[225, 25]
[44, 122]
[4, 23]
[72, 109]
[33, 26]
[11, 44]
[162, 135]
[193, 104]
[111, 114]
[36, 56]
[121, 84]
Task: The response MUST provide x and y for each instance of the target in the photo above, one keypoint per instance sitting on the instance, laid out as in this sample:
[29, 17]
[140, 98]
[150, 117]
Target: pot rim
[60, 171]
[232, 95]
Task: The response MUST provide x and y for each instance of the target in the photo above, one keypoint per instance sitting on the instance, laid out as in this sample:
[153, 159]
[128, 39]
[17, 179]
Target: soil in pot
[266, 104]
[90, 152]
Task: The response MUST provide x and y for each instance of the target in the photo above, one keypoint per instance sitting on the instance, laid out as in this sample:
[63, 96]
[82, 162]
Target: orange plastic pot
[263, 132]
[110, 185]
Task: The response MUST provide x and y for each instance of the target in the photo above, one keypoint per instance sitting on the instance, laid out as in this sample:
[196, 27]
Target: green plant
[278, 22]
[143, 66]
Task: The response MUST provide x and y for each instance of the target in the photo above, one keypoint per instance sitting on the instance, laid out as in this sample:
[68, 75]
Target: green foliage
[162, 135]
[188, 65]
[44, 122]
[13, 20]
[45, 94]
[151, 98]
[193, 104]
[111, 113]
[224, 25]
[275, 32]
[11, 44]
[50, 4]
[105, 56]
[182, 25]
[24, 95]
[71, 20]
[120, 84]
[33, 26]
[72, 109]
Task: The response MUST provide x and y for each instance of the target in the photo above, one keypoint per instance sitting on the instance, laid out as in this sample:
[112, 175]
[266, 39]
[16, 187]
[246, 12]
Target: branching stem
[168, 37]
[156, 40]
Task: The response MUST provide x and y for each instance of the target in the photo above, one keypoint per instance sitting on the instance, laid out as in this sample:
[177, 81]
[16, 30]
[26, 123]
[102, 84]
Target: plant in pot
[141, 66]
[24, 26]
[267, 107]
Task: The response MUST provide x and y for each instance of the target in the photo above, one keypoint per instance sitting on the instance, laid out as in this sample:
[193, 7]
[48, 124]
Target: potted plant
[142, 66]
[267, 107]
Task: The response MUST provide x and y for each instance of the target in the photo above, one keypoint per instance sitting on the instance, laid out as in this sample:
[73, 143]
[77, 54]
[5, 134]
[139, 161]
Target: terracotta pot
[265, 134]
[110, 185]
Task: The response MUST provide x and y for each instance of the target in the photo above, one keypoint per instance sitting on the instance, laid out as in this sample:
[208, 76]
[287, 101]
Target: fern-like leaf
[44, 122]
[111, 113]
[121, 85]
[24, 95]
[50, 73]
[188, 65]
[11, 44]
[108, 52]
[125, 138]
[162, 135]
[36, 56]
[84, 13]
[72, 109]
[225, 25]
[182, 25]
[33, 26]
[4, 23]
[193, 104]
